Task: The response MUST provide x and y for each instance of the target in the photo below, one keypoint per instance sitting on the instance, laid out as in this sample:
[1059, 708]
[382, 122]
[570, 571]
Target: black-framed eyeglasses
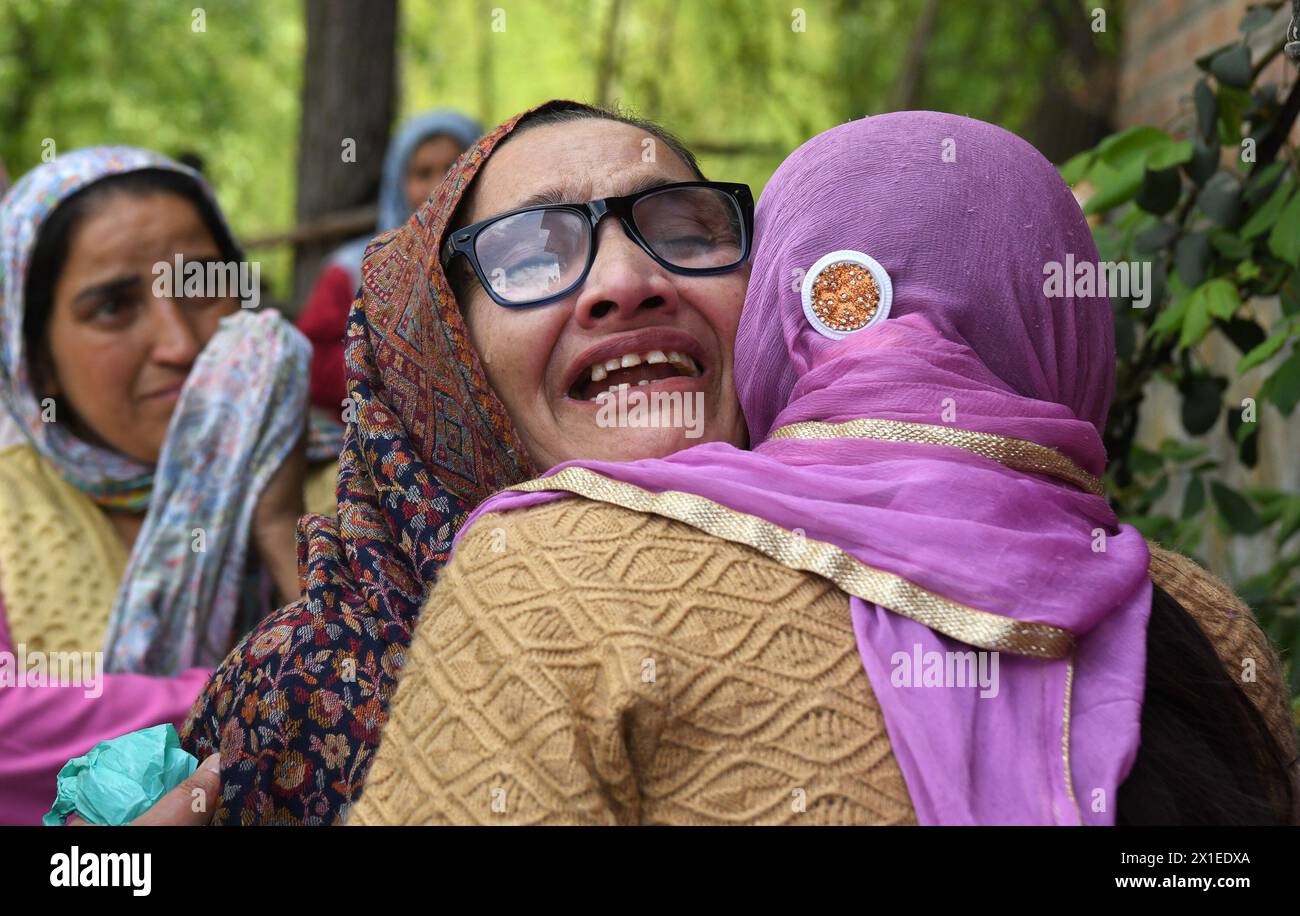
[537, 255]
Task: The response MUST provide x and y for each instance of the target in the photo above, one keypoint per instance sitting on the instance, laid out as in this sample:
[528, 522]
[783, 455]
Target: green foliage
[731, 77]
[1218, 216]
[135, 72]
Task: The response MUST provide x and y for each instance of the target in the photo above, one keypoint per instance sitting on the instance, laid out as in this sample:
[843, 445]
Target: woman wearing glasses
[700, 638]
[464, 387]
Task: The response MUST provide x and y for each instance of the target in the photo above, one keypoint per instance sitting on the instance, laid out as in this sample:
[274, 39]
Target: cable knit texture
[579, 663]
[639, 672]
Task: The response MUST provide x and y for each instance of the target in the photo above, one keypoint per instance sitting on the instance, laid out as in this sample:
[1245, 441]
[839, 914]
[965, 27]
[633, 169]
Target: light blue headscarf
[393, 208]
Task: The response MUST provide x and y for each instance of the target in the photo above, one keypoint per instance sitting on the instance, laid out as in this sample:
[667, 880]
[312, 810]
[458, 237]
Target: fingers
[191, 803]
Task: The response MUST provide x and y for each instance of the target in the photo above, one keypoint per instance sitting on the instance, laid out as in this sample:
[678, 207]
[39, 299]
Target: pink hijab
[965, 514]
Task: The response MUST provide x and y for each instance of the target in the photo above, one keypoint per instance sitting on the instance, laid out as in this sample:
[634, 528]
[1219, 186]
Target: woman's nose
[176, 341]
[625, 285]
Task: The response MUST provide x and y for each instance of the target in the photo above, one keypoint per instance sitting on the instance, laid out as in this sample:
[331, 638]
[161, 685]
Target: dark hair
[551, 114]
[51, 250]
[1206, 756]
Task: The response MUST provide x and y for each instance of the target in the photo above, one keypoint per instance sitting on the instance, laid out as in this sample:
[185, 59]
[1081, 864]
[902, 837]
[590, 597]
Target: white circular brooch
[844, 292]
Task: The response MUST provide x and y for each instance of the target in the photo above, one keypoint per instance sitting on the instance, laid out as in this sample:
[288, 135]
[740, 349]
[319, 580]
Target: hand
[176, 808]
[281, 502]
[275, 521]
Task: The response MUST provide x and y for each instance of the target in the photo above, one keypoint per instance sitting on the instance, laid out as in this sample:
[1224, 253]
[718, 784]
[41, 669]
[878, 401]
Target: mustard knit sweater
[580, 663]
[61, 561]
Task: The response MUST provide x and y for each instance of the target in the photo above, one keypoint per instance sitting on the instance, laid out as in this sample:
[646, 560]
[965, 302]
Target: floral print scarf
[296, 709]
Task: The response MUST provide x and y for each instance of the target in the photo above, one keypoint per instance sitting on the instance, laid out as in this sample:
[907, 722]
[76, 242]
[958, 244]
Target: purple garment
[963, 216]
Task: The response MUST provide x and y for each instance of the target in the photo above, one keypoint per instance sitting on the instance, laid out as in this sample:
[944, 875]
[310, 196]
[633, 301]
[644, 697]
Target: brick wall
[1162, 39]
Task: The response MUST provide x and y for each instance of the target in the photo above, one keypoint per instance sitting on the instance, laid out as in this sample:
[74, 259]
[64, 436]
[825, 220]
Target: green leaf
[1283, 386]
[1170, 317]
[1289, 296]
[1221, 298]
[1175, 450]
[1235, 509]
[1162, 156]
[1263, 218]
[1160, 191]
[1076, 167]
[1220, 199]
[1290, 521]
[1152, 527]
[1207, 109]
[1143, 461]
[1233, 105]
[1230, 245]
[1153, 238]
[1202, 401]
[1137, 143]
[1204, 161]
[1203, 62]
[1196, 320]
[1257, 18]
[1192, 258]
[1284, 240]
[1114, 185]
[1258, 183]
[1232, 67]
[1263, 352]
[1193, 497]
[1244, 436]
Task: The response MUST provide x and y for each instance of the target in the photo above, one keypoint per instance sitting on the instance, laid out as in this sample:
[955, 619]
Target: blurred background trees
[267, 90]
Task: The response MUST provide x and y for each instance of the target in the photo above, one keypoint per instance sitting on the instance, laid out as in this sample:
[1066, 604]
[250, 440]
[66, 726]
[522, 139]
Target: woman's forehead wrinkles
[579, 191]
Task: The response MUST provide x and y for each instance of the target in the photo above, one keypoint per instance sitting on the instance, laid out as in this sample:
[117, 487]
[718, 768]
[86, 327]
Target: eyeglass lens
[541, 253]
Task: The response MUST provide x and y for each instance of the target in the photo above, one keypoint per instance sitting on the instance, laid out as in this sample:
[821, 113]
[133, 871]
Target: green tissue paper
[122, 778]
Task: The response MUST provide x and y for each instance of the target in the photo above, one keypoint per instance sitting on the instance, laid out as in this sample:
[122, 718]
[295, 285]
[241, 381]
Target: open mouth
[633, 369]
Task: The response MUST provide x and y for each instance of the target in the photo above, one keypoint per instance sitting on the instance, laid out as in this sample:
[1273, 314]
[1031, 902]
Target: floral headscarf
[297, 708]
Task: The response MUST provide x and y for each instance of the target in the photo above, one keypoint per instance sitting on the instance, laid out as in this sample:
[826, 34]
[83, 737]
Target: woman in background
[455, 400]
[418, 157]
[151, 507]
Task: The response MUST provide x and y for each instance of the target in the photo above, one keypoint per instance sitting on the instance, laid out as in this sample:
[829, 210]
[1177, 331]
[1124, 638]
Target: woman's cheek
[100, 387]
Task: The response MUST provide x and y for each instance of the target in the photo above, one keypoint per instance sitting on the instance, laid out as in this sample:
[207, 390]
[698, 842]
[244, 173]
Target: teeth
[644, 381]
[683, 361]
[600, 371]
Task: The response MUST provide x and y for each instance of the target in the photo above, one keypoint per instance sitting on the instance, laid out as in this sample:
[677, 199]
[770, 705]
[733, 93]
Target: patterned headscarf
[297, 707]
[239, 414]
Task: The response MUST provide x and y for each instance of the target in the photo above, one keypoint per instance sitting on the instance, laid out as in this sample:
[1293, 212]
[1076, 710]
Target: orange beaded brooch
[846, 291]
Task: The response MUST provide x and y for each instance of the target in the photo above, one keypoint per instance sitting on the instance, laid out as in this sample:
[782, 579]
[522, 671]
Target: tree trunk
[348, 99]
[1068, 120]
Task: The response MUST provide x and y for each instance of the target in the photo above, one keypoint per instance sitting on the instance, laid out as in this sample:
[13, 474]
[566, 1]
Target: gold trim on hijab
[977, 628]
[1020, 454]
